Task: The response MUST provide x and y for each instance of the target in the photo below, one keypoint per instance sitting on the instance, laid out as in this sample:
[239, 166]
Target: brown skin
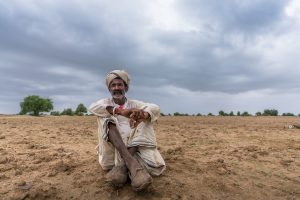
[135, 115]
[117, 89]
[127, 155]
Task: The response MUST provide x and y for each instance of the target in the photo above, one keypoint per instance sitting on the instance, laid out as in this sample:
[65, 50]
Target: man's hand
[135, 115]
[129, 113]
[138, 117]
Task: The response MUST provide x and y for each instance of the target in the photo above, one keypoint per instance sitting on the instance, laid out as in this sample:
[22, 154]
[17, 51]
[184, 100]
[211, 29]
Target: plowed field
[206, 157]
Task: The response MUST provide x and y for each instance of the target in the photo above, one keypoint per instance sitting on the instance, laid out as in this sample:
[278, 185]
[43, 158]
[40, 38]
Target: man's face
[117, 89]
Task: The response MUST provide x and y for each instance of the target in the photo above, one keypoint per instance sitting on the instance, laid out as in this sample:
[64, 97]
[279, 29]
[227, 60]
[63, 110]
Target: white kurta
[143, 135]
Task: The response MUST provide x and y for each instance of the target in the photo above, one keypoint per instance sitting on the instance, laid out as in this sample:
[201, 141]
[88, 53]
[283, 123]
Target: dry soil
[206, 157]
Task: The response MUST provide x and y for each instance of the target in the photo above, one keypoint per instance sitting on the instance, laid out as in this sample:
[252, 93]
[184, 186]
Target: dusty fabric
[117, 73]
[143, 136]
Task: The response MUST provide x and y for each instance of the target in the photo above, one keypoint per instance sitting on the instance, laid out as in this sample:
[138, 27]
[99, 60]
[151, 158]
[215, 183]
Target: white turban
[117, 74]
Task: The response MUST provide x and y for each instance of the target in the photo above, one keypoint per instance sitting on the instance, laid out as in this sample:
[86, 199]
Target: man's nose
[117, 87]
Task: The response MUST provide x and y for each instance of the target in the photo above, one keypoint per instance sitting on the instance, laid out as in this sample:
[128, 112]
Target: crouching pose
[127, 142]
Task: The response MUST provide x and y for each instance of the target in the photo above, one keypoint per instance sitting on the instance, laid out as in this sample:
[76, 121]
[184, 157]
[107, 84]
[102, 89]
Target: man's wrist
[118, 111]
[110, 109]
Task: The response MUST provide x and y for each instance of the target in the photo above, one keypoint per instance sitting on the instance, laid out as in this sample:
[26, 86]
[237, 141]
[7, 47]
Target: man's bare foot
[141, 179]
[117, 176]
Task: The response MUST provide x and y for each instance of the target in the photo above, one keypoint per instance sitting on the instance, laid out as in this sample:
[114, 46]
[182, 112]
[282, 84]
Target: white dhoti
[142, 136]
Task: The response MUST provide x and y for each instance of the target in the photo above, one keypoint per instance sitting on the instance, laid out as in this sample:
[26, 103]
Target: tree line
[34, 105]
[266, 112]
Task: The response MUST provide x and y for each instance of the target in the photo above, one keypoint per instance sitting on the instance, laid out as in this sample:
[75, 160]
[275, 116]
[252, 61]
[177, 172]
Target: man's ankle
[133, 167]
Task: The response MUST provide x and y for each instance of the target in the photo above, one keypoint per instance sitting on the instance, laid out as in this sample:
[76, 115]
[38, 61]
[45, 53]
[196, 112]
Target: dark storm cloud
[65, 48]
[195, 63]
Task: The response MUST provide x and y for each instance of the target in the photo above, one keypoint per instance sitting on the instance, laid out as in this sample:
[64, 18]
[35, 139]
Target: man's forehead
[117, 80]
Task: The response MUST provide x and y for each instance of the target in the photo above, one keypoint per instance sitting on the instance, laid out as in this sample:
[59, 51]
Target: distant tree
[162, 114]
[169, 114]
[176, 114]
[210, 114]
[199, 114]
[288, 114]
[258, 114]
[54, 113]
[180, 114]
[35, 104]
[67, 111]
[80, 110]
[231, 113]
[222, 113]
[270, 112]
[238, 113]
[245, 114]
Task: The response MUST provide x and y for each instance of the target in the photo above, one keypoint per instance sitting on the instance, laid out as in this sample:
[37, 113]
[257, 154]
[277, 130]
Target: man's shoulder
[134, 101]
[103, 101]
[139, 102]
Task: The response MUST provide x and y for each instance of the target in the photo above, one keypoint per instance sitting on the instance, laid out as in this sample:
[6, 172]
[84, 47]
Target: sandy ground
[207, 158]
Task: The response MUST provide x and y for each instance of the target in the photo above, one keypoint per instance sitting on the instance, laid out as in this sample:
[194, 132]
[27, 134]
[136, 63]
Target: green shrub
[67, 111]
[54, 113]
[270, 112]
[34, 105]
[80, 110]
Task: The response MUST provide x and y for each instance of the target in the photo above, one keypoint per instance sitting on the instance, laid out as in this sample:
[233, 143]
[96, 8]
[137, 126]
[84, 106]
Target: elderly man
[127, 142]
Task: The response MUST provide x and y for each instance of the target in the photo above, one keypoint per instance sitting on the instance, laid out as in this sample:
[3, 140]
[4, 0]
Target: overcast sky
[189, 56]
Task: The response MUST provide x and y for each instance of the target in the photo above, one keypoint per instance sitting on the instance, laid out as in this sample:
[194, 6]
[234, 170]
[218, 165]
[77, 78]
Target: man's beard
[118, 94]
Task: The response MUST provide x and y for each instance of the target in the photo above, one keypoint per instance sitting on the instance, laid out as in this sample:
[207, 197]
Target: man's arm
[99, 108]
[135, 115]
[150, 108]
[132, 113]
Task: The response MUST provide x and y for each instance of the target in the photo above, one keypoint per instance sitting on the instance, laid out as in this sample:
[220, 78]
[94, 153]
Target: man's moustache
[118, 92]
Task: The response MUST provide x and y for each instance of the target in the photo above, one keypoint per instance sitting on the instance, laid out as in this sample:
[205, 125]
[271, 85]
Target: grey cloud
[94, 38]
[248, 17]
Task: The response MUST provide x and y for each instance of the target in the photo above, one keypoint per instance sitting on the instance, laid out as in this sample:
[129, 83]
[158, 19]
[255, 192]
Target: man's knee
[112, 129]
[111, 125]
[114, 134]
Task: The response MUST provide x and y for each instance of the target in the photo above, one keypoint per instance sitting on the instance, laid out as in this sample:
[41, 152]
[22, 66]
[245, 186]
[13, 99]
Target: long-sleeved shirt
[99, 109]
